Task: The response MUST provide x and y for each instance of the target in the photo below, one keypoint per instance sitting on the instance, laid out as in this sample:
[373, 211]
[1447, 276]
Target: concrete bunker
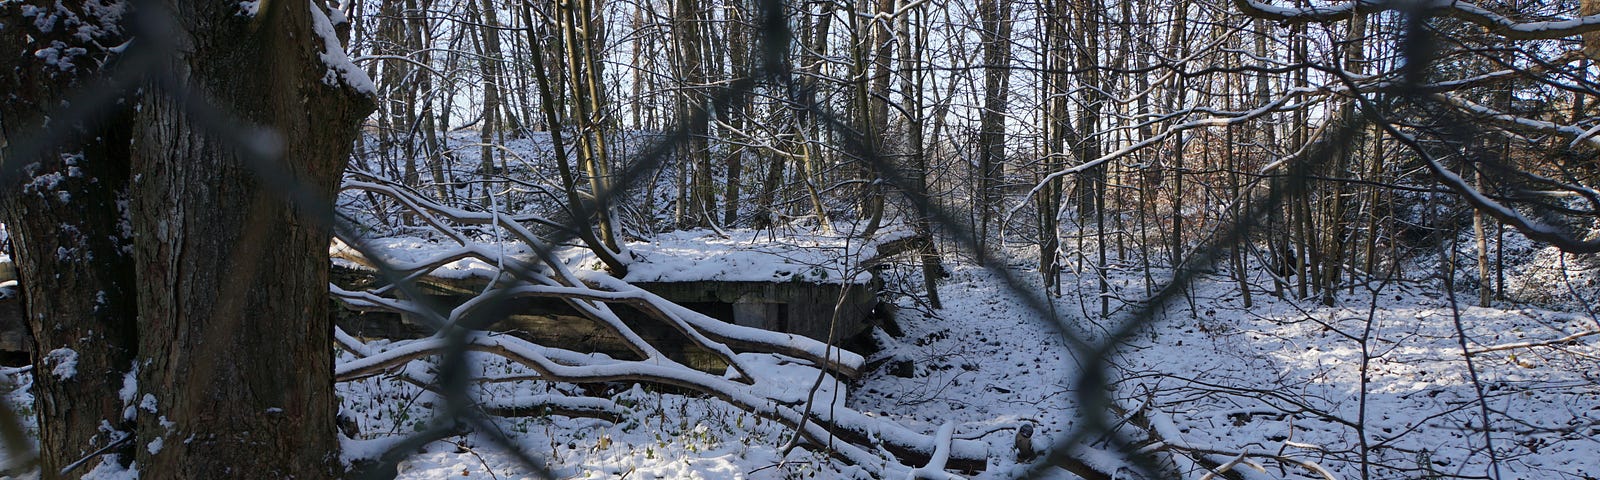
[797, 307]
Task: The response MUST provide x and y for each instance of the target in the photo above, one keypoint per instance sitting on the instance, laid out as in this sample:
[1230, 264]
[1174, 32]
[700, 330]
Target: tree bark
[235, 350]
[1591, 40]
[1091, 187]
[76, 275]
[569, 182]
[580, 27]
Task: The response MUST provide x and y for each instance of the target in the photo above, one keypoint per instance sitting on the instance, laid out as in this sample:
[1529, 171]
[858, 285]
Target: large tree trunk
[76, 277]
[235, 348]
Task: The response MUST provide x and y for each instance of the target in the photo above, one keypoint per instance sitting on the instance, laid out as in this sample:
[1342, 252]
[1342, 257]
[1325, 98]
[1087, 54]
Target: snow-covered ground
[679, 256]
[1279, 384]
[1280, 378]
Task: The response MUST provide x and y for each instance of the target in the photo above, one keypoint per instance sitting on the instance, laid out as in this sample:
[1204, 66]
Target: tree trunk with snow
[236, 344]
[76, 276]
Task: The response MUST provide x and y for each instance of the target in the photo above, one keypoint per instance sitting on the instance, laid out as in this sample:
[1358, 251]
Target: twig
[1535, 343]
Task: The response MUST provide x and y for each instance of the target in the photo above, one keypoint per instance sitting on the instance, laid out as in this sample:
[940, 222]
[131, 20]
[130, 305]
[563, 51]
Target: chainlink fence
[143, 65]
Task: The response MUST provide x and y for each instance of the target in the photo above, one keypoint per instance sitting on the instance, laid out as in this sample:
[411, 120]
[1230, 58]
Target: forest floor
[1278, 378]
[1279, 384]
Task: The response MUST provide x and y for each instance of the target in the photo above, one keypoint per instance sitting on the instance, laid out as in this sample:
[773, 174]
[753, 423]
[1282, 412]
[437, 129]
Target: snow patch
[43, 19]
[43, 183]
[60, 55]
[683, 256]
[341, 71]
[64, 363]
[107, 17]
[130, 385]
[110, 468]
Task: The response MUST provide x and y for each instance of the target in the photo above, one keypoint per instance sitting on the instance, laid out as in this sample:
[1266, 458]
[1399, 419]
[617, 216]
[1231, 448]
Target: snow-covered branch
[1533, 229]
[1468, 12]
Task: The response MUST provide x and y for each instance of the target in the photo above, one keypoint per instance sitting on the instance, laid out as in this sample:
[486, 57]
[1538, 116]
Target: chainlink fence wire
[144, 65]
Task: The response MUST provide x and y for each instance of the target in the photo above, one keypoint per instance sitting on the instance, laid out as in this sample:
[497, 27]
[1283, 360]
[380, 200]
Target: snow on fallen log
[941, 455]
[528, 405]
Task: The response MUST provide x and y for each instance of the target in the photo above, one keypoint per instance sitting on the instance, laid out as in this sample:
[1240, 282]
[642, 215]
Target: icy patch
[154, 446]
[64, 363]
[148, 403]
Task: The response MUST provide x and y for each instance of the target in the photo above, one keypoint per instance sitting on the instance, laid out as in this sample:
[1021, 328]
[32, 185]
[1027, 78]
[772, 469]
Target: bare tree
[995, 19]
